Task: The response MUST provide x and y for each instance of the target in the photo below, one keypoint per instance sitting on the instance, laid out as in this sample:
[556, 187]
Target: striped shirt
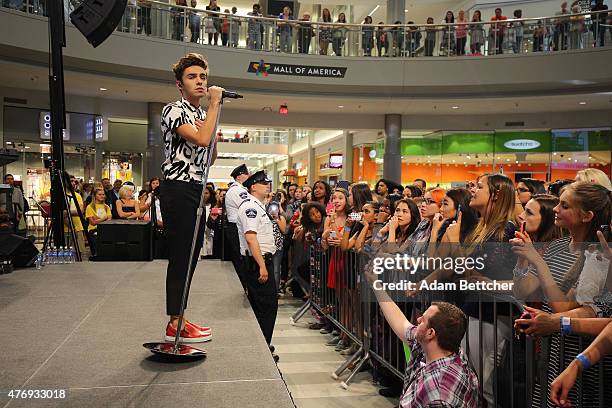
[563, 349]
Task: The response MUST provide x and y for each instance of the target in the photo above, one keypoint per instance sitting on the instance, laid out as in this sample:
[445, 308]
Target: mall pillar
[275, 182]
[312, 163]
[395, 11]
[347, 162]
[98, 161]
[392, 165]
[154, 156]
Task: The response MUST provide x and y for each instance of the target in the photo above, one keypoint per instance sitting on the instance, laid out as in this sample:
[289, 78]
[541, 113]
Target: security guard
[257, 248]
[233, 198]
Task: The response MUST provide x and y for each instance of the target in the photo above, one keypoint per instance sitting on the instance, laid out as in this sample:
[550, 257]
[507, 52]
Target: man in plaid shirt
[438, 374]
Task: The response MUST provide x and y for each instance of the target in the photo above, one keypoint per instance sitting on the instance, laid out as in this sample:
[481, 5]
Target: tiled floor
[306, 364]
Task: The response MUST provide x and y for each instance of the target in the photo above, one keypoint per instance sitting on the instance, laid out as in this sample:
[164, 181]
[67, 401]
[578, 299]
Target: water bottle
[71, 255]
[39, 260]
[61, 256]
[51, 256]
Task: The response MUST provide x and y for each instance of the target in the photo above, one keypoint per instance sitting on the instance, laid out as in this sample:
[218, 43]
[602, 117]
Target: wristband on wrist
[520, 273]
[566, 326]
[584, 360]
[347, 229]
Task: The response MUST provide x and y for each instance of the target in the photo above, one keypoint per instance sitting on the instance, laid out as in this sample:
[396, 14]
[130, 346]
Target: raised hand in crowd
[453, 232]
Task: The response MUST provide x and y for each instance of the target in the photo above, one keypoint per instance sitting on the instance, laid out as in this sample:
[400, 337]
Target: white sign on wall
[45, 126]
[522, 144]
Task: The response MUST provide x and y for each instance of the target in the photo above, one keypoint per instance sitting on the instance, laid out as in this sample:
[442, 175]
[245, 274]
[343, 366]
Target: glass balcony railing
[511, 36]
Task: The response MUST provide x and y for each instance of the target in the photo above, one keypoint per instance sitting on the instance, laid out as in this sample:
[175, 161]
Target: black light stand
[57, 40]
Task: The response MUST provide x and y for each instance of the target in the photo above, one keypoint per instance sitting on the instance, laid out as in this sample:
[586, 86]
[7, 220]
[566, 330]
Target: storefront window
[450, 159]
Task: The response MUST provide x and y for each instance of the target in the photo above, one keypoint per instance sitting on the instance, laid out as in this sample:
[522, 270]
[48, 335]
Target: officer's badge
[251, 213]
[244, 195]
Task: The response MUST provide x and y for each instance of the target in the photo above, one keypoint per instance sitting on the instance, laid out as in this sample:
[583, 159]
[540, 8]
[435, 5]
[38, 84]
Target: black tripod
[60, 176]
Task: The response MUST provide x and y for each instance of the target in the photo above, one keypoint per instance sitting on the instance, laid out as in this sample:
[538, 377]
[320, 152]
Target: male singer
[188, 131]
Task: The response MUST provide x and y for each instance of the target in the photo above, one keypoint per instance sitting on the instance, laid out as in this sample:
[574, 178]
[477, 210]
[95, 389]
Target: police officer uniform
[253, 217]
[235, 195]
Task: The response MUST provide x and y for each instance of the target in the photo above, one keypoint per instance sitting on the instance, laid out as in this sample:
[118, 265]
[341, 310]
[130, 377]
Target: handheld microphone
[231, 95]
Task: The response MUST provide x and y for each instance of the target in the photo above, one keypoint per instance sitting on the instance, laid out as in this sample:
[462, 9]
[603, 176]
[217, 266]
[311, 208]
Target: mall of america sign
[264, 69]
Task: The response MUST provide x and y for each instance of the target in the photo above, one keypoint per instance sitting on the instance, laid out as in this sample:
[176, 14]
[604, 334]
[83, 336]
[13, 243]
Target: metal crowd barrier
[511, 370]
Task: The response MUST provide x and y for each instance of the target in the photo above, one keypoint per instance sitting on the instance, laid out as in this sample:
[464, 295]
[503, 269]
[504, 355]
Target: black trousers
[233, 243]
[262, 296]
[179, 204]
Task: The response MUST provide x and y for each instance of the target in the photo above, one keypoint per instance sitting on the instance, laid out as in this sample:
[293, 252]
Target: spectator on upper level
[305, 34]
[561, 27]
[339, 35]
[496, 33]
[430, 38]
[234, 28]
[519, 31]
[255, 26]
[285, 28]
[225, 28]
[178, 20]
[414, 41]
[576, 29]
[367, 36]
[213, 22]
[397, 34]
[477, 35]
[447, 46]
[382, 40]
[461, 33]
[539, 32]
[598, 27]
[194, 22]
[325, 32]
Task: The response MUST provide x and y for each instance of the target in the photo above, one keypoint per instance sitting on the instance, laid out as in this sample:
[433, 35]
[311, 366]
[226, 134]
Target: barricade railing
[581, 30]
[511, 370]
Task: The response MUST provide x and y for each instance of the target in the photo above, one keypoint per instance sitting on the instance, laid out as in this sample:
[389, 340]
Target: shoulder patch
[244, 195]
[251, 212]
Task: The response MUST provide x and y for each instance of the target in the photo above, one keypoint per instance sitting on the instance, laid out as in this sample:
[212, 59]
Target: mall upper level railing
[255, 32]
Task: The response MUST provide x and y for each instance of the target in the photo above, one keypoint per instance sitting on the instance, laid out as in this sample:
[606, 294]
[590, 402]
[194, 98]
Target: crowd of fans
[222, 26]
[565, 31]
[549, 239]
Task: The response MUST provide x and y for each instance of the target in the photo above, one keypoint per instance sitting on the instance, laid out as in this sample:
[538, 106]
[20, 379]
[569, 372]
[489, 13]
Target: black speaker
[97, 19]
[124, 240]
[21, 251]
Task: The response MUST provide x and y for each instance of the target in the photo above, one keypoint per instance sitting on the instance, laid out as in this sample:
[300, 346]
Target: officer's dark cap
[257, 177]
[242, 169]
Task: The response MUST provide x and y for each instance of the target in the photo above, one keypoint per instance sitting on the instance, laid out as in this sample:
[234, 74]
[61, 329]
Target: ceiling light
[582, 103]
[455, 107]
[340, 106]
[27, 147]
[374, 11]
[103, 89]
[405, 10]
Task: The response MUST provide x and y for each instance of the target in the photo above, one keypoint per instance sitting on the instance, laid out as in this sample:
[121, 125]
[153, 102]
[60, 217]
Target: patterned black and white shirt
[185, 161]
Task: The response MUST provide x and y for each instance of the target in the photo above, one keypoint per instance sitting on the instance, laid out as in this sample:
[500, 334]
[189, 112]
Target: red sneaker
[188, 335]
[198, 327]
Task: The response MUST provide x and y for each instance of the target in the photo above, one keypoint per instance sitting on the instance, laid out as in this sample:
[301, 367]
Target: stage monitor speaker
[21, 251]
[97, 19]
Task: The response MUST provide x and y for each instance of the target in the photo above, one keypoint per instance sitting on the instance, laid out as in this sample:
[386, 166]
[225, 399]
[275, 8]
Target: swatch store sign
[45, 126]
